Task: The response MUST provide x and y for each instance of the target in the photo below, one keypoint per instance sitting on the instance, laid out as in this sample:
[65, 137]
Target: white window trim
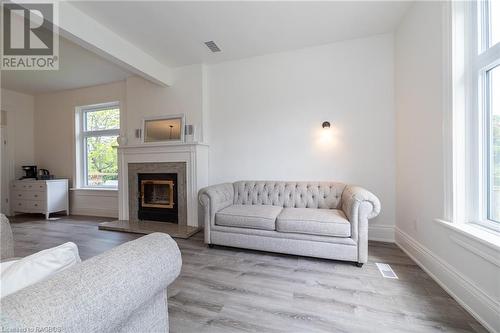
[465, 201]
[487, 59]
[81, 135]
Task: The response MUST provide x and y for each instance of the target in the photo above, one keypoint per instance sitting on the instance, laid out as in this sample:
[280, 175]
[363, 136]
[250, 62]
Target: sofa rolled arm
[6, 241]
[216, 195]
[212, 199]
[98, 294]
[353, 196]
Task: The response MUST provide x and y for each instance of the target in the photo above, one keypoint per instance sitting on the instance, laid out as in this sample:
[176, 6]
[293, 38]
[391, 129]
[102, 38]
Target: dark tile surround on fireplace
[157, 200]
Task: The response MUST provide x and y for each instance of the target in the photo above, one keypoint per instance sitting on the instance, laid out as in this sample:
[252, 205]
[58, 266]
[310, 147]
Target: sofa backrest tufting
[289, 194]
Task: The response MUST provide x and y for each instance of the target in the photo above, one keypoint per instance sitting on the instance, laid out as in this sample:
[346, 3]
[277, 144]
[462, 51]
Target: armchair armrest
[353, 197]
[101, 293]
[212, 199]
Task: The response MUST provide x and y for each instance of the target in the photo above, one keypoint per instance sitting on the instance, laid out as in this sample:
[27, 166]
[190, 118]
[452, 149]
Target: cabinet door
[57, 196]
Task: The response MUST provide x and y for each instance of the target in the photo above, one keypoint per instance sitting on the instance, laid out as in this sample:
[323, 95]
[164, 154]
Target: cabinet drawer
[29, 186]
[26, 195]
[28, 205]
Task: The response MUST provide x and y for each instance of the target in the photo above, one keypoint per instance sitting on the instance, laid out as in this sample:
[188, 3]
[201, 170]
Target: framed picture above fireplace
[163, 129]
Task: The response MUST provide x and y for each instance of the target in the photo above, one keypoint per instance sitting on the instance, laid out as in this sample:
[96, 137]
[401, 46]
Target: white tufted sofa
[317, 219]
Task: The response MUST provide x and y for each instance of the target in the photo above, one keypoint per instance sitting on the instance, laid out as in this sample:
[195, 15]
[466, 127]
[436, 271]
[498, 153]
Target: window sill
[488, 238]
[92, 191]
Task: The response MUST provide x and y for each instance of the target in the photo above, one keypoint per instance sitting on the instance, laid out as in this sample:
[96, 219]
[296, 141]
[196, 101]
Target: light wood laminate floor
[233, 290]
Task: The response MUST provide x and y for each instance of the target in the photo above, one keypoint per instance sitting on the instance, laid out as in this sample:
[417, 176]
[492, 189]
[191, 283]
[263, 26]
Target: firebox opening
[157, 193]
[158, 197]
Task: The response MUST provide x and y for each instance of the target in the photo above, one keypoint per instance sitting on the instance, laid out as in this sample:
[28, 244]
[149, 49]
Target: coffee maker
[30, 172]
[44, 174]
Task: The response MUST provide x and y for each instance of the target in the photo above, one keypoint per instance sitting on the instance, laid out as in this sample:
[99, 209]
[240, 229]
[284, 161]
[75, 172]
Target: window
[476, 136]
[98, 128]
[493, 24]
[492, 95]
[486, 64]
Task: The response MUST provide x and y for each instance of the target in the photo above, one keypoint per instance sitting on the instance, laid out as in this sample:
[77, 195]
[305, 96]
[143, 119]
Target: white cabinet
[39, 196]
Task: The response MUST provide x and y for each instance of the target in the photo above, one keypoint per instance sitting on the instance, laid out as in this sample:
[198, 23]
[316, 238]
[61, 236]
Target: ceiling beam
[92, 35]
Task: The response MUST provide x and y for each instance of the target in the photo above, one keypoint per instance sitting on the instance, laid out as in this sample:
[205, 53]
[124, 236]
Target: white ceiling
[78, 68]
[174, 32]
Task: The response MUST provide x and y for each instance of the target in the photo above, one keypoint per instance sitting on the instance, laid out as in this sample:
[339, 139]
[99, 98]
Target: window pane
[104, 119]
[493, 78]
[102, 161]
[494, 21]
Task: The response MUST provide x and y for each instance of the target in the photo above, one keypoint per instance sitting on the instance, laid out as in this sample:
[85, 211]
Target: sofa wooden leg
[359, 264]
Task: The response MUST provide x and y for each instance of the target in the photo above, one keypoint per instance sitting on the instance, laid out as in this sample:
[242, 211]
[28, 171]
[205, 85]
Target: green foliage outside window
[102, 161]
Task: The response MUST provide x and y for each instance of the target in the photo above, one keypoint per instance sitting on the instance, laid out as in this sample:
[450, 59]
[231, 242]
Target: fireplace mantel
[195, 155]
[162, 144]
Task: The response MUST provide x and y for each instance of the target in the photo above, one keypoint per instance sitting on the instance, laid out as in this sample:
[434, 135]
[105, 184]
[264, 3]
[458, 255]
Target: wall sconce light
[326, 124]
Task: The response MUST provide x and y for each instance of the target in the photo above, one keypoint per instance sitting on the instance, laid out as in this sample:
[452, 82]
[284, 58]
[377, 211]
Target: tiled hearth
[148, 227]
[189, 162]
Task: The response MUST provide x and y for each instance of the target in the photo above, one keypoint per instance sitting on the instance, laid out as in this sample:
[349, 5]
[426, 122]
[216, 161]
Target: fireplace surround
[189, 161]
[157, 209]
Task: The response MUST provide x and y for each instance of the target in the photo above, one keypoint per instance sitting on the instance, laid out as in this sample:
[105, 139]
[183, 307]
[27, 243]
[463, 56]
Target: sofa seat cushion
[322, 222]
[248, 216]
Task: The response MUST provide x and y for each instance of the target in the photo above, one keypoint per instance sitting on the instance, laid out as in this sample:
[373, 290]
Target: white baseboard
[472, 298]
[101, 212]
[381, 233]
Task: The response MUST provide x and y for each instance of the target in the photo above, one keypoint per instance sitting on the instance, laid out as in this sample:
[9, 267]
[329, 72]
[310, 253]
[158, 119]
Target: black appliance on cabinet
[30, 172]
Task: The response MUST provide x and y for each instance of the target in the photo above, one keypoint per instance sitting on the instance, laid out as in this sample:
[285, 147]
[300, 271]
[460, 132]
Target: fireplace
[189, 161]
[157, 197]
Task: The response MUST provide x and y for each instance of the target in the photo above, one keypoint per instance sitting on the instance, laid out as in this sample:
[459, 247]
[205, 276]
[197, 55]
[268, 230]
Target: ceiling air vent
[212, 46]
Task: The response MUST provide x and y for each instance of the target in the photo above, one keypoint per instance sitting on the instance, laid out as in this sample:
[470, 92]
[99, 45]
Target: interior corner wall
[266, 114]
[19, 108]
[20, 127]
[468, 269]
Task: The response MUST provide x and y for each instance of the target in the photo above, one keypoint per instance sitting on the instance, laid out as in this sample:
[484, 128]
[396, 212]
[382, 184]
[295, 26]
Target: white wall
[467, 268]
[20, 127]
[20, 134]
[185, 96]
[266, 114]
[55, 141]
